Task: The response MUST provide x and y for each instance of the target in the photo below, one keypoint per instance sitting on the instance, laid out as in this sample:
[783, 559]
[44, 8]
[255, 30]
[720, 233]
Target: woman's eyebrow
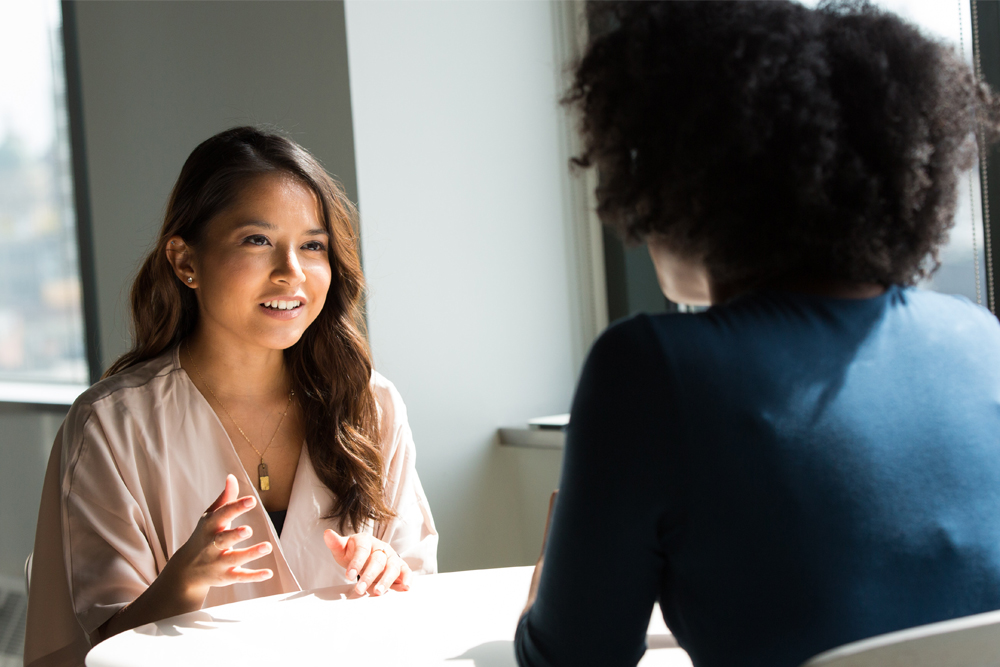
[259, 224]
[262, 224]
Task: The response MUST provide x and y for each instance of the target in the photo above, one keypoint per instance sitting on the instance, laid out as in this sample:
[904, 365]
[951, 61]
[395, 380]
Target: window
[963, 260]
[986, 32]
[42, 332]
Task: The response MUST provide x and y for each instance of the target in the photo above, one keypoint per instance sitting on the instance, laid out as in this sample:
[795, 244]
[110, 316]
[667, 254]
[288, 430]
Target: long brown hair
[330, 365]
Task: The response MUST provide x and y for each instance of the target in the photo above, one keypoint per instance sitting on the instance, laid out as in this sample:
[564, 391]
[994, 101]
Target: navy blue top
[785, 473]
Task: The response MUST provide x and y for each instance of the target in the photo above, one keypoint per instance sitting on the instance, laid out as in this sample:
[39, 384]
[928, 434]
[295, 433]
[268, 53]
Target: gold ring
[375, 551]
[215, 542]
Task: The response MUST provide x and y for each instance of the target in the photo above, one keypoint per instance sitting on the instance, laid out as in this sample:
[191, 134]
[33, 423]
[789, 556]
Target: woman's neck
[235, 371]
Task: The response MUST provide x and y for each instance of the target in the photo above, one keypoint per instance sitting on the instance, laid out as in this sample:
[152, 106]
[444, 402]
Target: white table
[460, 619]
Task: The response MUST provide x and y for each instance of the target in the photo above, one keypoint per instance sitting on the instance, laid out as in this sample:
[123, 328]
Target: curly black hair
[776, 141]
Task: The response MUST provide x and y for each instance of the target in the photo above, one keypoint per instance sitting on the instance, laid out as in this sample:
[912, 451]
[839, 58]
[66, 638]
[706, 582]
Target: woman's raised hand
[209, 557]
[374, 563]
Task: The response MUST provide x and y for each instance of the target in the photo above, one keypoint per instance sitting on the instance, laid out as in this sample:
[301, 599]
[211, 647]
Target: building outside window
[41, 313]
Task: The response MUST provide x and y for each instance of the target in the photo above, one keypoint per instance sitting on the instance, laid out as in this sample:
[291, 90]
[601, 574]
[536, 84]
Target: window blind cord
[972, 199]
[978, 74]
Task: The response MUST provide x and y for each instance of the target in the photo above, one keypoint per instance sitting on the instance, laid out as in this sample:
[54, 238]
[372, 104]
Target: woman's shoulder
[639, 338]
[144, 381]
[938, 307]
[628, 354]
[391, 410]
[949, 326]
[110, 420]
[386, 394]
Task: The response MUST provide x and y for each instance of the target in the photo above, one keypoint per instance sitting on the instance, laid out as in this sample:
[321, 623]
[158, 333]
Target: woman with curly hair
[814, 459]
[249, 391]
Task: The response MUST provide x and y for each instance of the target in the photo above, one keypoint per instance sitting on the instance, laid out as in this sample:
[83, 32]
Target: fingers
[370, 562]
[226, 567]
[359, 549]
[228, 494]
[380, 571]
[388, 576]
[336, 544]
[235, 558]
[228, 538]
[209, 557]
[402, 582]
[240, 575]
[371, 570]
[224, 515]
[226, 508]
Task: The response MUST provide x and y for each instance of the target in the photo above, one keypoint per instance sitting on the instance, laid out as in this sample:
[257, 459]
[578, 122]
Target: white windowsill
[40, 393]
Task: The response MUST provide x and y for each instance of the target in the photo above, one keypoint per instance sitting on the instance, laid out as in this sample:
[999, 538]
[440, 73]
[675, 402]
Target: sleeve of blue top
[603, 561]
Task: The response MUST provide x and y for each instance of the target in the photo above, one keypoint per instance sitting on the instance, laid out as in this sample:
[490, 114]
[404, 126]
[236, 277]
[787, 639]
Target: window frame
[986, 54]
[57, 394]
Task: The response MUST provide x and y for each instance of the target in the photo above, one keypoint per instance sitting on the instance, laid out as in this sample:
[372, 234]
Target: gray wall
[160, 77]
[25, 439]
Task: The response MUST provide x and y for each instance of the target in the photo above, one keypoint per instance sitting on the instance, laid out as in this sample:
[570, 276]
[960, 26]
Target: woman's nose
[289, 269]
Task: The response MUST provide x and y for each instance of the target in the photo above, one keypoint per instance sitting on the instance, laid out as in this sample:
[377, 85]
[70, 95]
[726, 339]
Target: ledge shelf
[538, 438]
[39, 394]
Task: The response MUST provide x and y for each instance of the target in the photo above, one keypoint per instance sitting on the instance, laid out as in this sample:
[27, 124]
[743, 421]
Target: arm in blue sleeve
[603, 561]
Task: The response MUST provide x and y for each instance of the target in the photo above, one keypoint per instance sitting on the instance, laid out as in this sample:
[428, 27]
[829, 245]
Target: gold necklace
[264, 480]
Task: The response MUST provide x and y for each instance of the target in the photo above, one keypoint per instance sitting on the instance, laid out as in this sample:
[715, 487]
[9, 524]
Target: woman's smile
[285, 308]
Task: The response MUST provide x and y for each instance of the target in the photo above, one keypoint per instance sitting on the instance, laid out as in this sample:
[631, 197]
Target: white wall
[461, 175]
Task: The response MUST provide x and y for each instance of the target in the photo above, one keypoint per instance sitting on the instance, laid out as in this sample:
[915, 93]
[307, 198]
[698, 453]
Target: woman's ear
[181, 255]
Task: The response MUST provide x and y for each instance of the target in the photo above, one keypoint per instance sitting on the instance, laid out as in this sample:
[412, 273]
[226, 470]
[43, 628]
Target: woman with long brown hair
[249, 374]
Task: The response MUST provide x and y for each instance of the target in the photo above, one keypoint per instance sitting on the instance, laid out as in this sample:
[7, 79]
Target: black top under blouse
[278, 519]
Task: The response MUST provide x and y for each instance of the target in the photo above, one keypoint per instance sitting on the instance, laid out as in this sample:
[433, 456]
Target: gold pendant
[265, 481]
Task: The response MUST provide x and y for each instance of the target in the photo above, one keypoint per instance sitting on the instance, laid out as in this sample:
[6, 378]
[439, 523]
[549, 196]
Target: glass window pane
[41, 319]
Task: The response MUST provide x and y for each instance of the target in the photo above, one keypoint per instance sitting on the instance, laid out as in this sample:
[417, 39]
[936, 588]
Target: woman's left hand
[536, 576]
[375, 564]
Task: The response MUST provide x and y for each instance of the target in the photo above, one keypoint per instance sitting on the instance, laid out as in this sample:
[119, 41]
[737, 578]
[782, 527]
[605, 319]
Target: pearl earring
[190, 279]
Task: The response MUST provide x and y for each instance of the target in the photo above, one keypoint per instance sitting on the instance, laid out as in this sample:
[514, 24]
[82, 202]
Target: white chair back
[971, 641]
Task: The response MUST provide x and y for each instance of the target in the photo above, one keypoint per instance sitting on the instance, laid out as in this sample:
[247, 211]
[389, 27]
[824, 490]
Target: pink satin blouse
[139, 458]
